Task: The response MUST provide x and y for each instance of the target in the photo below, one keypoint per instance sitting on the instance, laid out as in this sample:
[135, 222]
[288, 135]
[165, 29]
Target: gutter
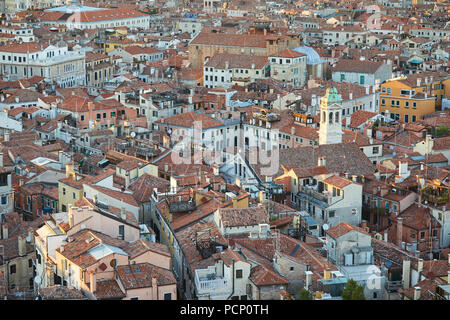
[232, 292]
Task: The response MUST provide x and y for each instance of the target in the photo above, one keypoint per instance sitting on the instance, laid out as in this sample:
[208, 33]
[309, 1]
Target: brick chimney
[92, 281]
[399, 231]
[154, 287]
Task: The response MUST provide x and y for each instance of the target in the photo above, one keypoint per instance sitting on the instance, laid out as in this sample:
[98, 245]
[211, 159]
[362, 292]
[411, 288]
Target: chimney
[31, 236]
[417, 293]
[154, 287]
[322, 161]
[364, 225]
[403, 169]
[127, 179]
[369, 132]
[22, 245]
[406, 276]
[419, 268]
[71, 220]
[123, 215]
[6, 137]
[399, 231]
[1, 159]
[90, 106]
[327, 275]
[385, 235]
[448, 277]
[69, 169]
[419, 81]
[93, 281]
[215, 169]
[355, 178]
[292, 130]
[350, 96]
[227, 65]
[308, 279]
[5, 232]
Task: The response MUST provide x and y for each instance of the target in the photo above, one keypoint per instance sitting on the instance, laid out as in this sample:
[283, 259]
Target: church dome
[312, 57]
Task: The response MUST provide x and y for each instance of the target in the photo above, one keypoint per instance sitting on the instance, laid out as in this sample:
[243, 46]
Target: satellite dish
[326, 227]
[37, 280]
[133, 134]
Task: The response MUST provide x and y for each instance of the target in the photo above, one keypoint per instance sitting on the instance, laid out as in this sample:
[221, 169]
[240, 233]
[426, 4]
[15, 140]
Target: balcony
[208, 283]
[323, 199]
[435, 195]
[393, 285]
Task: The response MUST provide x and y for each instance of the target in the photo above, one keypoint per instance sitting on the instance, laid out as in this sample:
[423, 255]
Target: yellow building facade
[408, 100]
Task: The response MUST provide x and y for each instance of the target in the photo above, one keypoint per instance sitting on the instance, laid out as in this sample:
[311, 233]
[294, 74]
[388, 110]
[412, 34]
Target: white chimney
[403, 169]
[419, 81]
[123, 215]
[5, 232]
[1, 159]
[385, 235]
[350, 96]
[127, 179]
[308, 279]
[6, 137]
[417, 293]
[406, 273]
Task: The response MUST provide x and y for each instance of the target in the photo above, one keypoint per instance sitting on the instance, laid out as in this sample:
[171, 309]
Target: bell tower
[330, 131]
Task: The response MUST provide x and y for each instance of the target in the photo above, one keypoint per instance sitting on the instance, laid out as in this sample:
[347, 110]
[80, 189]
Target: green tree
[358, 293]
[353, 291]
[304, 295]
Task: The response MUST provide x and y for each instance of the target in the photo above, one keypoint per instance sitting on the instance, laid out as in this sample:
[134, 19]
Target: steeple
[330, 131]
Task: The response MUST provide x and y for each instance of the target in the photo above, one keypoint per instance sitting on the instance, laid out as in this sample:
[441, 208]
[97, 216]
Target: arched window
[336, 117]
[330, 119]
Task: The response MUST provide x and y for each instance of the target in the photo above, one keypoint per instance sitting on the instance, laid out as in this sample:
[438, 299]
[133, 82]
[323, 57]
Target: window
[12, 269]
[422, 235]
[73, 195]
[414, 105]
[64, 191]
[383, 102]
[239, 274]
[122, 232]
[375, 150]
[134, 298]
[331, 214]
[168, 296]
[361, 79]
[4, 200]
[99, 116]
[30, 263]
[82, 118]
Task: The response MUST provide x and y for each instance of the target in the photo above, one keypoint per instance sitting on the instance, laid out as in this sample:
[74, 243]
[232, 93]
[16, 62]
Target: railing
[315, 194]
[394, 285]
[435, 198]
[211, 285]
